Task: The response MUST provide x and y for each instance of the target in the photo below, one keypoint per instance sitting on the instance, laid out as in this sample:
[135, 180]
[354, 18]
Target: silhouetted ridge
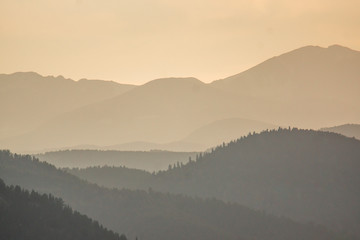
[30, 215]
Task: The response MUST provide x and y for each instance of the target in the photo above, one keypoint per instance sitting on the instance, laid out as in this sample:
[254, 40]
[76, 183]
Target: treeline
[152, 215]
[30, 215]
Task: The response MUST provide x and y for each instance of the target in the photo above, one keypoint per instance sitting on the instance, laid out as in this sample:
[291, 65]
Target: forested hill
[30, 215]
[302, 174]
[151, 215]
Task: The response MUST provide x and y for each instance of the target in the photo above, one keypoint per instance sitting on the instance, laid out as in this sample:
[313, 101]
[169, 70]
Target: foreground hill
[151, 215]
[302, 174]
[28, 99]
[30, 215]
[349, 130]
[150, 161]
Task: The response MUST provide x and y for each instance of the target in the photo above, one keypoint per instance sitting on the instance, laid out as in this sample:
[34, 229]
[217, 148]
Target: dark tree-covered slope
[151, 215]
[30, 215]
[302, 174]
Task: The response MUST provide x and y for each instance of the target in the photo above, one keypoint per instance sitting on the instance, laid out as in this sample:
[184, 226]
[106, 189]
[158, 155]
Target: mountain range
[309, 87]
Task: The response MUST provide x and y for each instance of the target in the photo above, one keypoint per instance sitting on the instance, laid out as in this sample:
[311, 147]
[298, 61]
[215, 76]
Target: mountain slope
[151, 215]
[301, 72]
[28, 99]
[25, 215]
[302, 174]
[306, 85]
[349, 130]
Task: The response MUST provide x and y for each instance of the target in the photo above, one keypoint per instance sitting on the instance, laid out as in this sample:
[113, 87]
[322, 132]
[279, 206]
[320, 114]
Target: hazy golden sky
[134, 41]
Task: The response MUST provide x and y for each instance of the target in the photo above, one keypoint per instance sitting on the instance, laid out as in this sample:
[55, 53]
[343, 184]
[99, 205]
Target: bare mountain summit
[307, 87]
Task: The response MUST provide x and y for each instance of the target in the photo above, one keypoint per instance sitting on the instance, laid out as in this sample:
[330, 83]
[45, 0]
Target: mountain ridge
[28, 99]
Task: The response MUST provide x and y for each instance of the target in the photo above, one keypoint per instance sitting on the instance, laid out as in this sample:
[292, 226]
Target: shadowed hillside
[150, 215]
[30, 215]
[302, 174]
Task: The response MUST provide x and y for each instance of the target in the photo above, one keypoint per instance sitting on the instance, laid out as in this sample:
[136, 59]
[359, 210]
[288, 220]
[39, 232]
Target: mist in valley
[179, 120]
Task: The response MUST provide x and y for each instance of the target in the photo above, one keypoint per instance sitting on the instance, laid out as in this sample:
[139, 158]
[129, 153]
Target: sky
[136, 41]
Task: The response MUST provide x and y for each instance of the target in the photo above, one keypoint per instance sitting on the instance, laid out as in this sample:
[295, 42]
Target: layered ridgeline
[302, 174]
[349, 130]
[30, 215]
[151, 215]
[27, 99]
[309, 87]
[160, 111]
[150, 160]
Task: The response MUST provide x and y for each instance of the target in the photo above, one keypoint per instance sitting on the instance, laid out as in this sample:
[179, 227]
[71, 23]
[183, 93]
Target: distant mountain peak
[337, 47]
[25, 74]
[312, 49]
[175, 81]
[60, 77]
